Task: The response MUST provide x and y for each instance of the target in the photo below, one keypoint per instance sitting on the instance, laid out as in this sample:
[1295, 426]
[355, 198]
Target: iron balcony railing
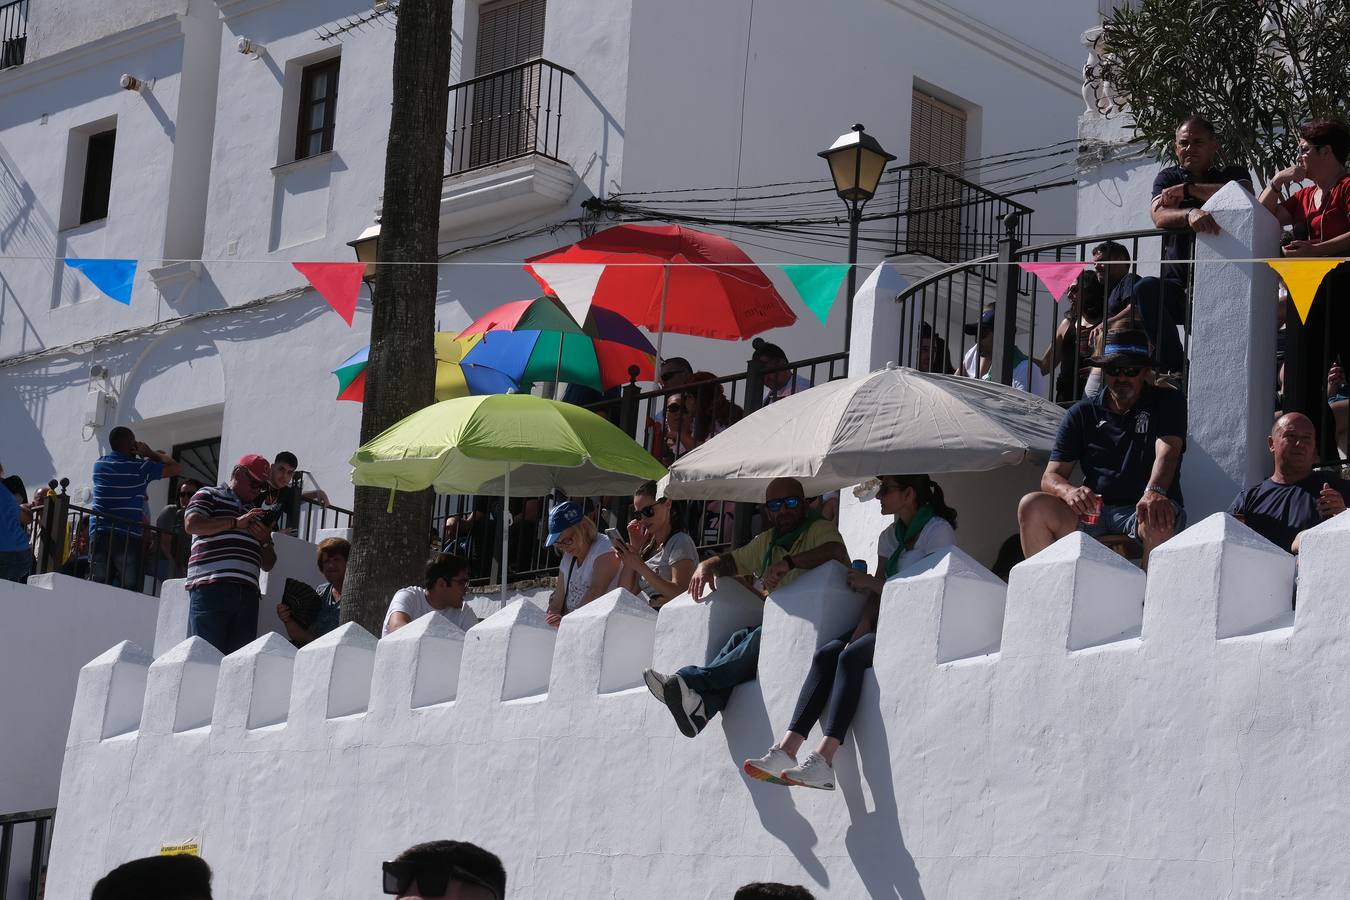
[504, 115]
[10, 823]
[13, 32]
[951, 219]
[939, 309]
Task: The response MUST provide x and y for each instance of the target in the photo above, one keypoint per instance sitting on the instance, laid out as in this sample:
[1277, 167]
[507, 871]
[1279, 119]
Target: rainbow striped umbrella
[454, 378]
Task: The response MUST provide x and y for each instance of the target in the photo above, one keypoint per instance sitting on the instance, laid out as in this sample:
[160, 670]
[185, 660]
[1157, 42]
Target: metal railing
[13, 33]
[41, 820]
[507, 114]
[949, 218]
[940, 322]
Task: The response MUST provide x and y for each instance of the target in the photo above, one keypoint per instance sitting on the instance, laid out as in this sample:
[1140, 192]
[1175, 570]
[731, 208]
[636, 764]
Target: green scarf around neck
[787, 540]
[906, 534]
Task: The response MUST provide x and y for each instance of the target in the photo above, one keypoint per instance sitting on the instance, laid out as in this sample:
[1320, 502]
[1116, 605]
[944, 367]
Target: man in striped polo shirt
[230, 544]
[120, 479]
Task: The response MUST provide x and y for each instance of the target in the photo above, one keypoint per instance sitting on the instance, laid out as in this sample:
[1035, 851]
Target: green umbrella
[515, 445]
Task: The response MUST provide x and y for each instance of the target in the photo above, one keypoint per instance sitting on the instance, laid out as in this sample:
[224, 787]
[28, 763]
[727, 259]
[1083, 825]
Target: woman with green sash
[924, 524]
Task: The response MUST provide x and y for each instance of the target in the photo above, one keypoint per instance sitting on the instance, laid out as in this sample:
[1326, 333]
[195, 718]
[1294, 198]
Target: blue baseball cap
[986, 323]
[562, 517]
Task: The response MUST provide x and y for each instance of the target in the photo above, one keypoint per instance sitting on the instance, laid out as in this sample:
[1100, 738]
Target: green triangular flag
[818, 285]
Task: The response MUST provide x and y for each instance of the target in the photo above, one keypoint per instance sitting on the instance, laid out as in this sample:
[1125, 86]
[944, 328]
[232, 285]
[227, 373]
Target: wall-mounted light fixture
[249, 48]
[132, 83]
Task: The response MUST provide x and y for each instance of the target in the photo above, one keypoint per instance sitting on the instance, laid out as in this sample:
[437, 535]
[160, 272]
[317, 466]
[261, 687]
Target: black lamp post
[857, 162]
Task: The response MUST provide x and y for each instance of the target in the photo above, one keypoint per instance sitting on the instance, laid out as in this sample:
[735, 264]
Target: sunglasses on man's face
[774, 506]
[666, 376]
[433, 879]
[1122, 371]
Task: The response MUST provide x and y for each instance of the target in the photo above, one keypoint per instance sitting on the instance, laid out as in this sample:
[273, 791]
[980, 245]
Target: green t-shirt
[760, 553]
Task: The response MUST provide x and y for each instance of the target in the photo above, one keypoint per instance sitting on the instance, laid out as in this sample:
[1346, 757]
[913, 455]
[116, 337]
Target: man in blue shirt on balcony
[120, 480]
[16, 559]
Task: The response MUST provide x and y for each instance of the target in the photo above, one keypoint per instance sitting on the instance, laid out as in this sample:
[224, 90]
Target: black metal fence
[949, 218]
[13, 32]
[941, 330]
[10, 825]
[507, 114]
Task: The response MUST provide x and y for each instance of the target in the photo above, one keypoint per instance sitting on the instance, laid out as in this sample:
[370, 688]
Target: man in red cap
[230, 544]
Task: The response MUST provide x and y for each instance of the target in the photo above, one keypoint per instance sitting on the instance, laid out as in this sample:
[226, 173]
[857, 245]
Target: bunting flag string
[337, 282]
[818, 285]
[1303, 277]
[1056, 276]
[114, 277]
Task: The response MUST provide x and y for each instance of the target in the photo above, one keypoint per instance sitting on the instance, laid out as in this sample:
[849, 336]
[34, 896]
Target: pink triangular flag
[337, 282]
[1056, 276]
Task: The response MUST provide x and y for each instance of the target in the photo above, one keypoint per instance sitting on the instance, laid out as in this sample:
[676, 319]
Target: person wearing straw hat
[1128, 440]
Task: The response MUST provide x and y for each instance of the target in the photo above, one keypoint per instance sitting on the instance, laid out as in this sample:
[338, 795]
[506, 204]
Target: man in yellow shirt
[799, 540]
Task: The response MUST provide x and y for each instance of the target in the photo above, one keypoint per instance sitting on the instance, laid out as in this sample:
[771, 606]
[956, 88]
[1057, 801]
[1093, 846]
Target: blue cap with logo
[562, 517]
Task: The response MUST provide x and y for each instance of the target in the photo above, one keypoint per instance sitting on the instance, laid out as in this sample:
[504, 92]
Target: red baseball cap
[256, 465]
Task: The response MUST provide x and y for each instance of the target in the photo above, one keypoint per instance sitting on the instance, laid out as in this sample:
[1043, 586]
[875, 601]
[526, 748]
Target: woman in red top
[1320, 217]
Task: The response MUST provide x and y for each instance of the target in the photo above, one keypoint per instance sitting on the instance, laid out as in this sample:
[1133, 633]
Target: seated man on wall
[445, 581]
[799, 540]
[1295, 498]
[1129, 440]
[979, 359]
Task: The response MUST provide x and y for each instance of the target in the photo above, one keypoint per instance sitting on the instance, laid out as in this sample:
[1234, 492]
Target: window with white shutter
[937, 136]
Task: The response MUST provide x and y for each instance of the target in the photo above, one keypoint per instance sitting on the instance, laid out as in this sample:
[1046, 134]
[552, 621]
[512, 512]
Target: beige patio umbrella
[843, 432]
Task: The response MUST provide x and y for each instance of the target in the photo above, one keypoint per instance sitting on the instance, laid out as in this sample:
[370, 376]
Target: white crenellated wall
[1085, 731]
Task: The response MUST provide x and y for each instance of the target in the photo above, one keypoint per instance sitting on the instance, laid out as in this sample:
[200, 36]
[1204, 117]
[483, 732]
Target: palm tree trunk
[389, 548]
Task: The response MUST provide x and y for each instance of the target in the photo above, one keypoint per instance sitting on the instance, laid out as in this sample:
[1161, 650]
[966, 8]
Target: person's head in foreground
[773, 890]
[453, 870]
[157, 878]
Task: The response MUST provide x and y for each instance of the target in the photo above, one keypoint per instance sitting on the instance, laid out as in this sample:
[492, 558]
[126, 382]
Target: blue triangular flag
[111, 276]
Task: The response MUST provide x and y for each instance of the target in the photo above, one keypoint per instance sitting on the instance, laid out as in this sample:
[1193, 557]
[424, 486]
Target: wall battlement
[1084, 728]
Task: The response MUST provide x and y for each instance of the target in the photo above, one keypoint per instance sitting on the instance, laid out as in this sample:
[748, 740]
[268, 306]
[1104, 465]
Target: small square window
[98, 166]
[317, 115]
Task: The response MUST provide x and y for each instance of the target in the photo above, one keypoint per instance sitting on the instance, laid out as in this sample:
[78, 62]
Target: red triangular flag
[1056, 276]
[338, 283]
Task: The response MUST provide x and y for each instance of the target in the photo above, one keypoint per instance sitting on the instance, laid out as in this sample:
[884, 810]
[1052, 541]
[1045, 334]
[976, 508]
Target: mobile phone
[615, 538]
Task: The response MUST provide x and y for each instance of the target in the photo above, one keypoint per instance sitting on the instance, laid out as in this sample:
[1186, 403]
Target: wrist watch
[1157, 490]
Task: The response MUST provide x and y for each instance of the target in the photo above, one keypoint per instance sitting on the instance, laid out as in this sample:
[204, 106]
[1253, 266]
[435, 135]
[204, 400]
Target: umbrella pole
[661, 318]
[506, 529]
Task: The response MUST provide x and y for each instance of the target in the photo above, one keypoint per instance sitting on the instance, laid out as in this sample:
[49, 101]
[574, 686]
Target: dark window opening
[318, 109]
[98, 166]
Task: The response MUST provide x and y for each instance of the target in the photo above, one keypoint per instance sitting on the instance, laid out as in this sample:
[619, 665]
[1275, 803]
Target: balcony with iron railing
[13, 32]
[505, 115]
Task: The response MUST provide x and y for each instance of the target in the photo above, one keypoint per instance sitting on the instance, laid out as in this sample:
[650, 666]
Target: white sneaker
[656, 683]
[767, 767]
[814, 773]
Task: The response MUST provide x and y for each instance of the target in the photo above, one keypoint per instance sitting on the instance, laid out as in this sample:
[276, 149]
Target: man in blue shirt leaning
[120, 479]
[1294, 498]
[1129, 440]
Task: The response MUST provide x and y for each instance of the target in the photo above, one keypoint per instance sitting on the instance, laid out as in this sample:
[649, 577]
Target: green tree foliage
[1257, 69]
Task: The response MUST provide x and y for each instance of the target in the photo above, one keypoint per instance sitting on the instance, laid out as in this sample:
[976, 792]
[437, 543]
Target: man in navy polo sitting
[1128, 440]
[1295, 498]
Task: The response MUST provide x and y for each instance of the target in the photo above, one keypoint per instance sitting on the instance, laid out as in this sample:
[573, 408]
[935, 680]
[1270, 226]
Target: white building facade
[203, 176]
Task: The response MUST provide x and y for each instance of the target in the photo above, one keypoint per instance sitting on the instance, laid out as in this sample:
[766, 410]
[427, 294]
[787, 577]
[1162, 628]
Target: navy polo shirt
[1180, 244]
[1278, 512]
[1116, 450]
[1145, 293]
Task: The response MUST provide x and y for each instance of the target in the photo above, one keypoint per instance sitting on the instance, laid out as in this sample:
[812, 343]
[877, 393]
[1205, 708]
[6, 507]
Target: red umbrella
[671, 278]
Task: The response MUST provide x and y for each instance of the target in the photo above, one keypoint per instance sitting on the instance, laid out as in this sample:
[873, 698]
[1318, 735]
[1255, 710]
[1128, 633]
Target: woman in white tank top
[589, 569]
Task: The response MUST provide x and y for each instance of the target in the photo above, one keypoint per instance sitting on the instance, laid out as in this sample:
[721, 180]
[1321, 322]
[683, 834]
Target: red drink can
[1090, 518]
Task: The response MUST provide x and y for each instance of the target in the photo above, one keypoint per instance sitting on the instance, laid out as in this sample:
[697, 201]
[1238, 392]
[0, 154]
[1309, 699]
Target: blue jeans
[1125, 520]
[15, 565]
[115, 559]
[736, 663]
[224, 614]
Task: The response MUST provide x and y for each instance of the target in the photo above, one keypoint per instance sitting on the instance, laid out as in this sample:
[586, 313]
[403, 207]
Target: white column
[1232, 354]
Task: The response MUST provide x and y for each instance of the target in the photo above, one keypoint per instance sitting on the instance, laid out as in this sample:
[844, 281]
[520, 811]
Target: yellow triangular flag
[1303, 277]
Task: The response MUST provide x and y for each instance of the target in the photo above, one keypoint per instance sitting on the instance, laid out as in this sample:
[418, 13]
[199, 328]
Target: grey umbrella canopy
[893, 420]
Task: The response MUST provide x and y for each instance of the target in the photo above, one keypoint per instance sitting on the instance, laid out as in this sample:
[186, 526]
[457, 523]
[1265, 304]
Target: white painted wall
[1084, 729]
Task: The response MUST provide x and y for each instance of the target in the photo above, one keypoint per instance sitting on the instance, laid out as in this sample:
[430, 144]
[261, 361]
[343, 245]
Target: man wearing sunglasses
[231, 542]
[453, 870]
[1128, 440]
[799, 540]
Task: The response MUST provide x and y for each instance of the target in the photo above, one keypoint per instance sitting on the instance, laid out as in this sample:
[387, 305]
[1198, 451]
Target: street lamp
[367, 250]
[857, 162]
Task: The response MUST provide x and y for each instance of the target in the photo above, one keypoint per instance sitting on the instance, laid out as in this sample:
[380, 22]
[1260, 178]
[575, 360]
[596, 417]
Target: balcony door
[937, 136]
[504, 110]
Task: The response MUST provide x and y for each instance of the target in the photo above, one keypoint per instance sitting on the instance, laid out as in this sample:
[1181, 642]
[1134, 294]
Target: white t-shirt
[577, 575]
[679, 546]
[1026, 377]
[412, 602]
[795, 384]
[935, 537]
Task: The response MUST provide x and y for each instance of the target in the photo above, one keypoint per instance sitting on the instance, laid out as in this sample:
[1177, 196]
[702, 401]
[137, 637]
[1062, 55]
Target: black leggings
[834, 685]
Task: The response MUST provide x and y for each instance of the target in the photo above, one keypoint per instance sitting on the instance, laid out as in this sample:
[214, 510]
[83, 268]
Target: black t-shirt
[1181, 244]
[282, 503]
[1145, 294]
[1116, 450]
[1278, 512]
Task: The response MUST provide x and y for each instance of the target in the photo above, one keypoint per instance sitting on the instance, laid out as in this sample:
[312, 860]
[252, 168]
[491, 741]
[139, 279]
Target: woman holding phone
[658, 558]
